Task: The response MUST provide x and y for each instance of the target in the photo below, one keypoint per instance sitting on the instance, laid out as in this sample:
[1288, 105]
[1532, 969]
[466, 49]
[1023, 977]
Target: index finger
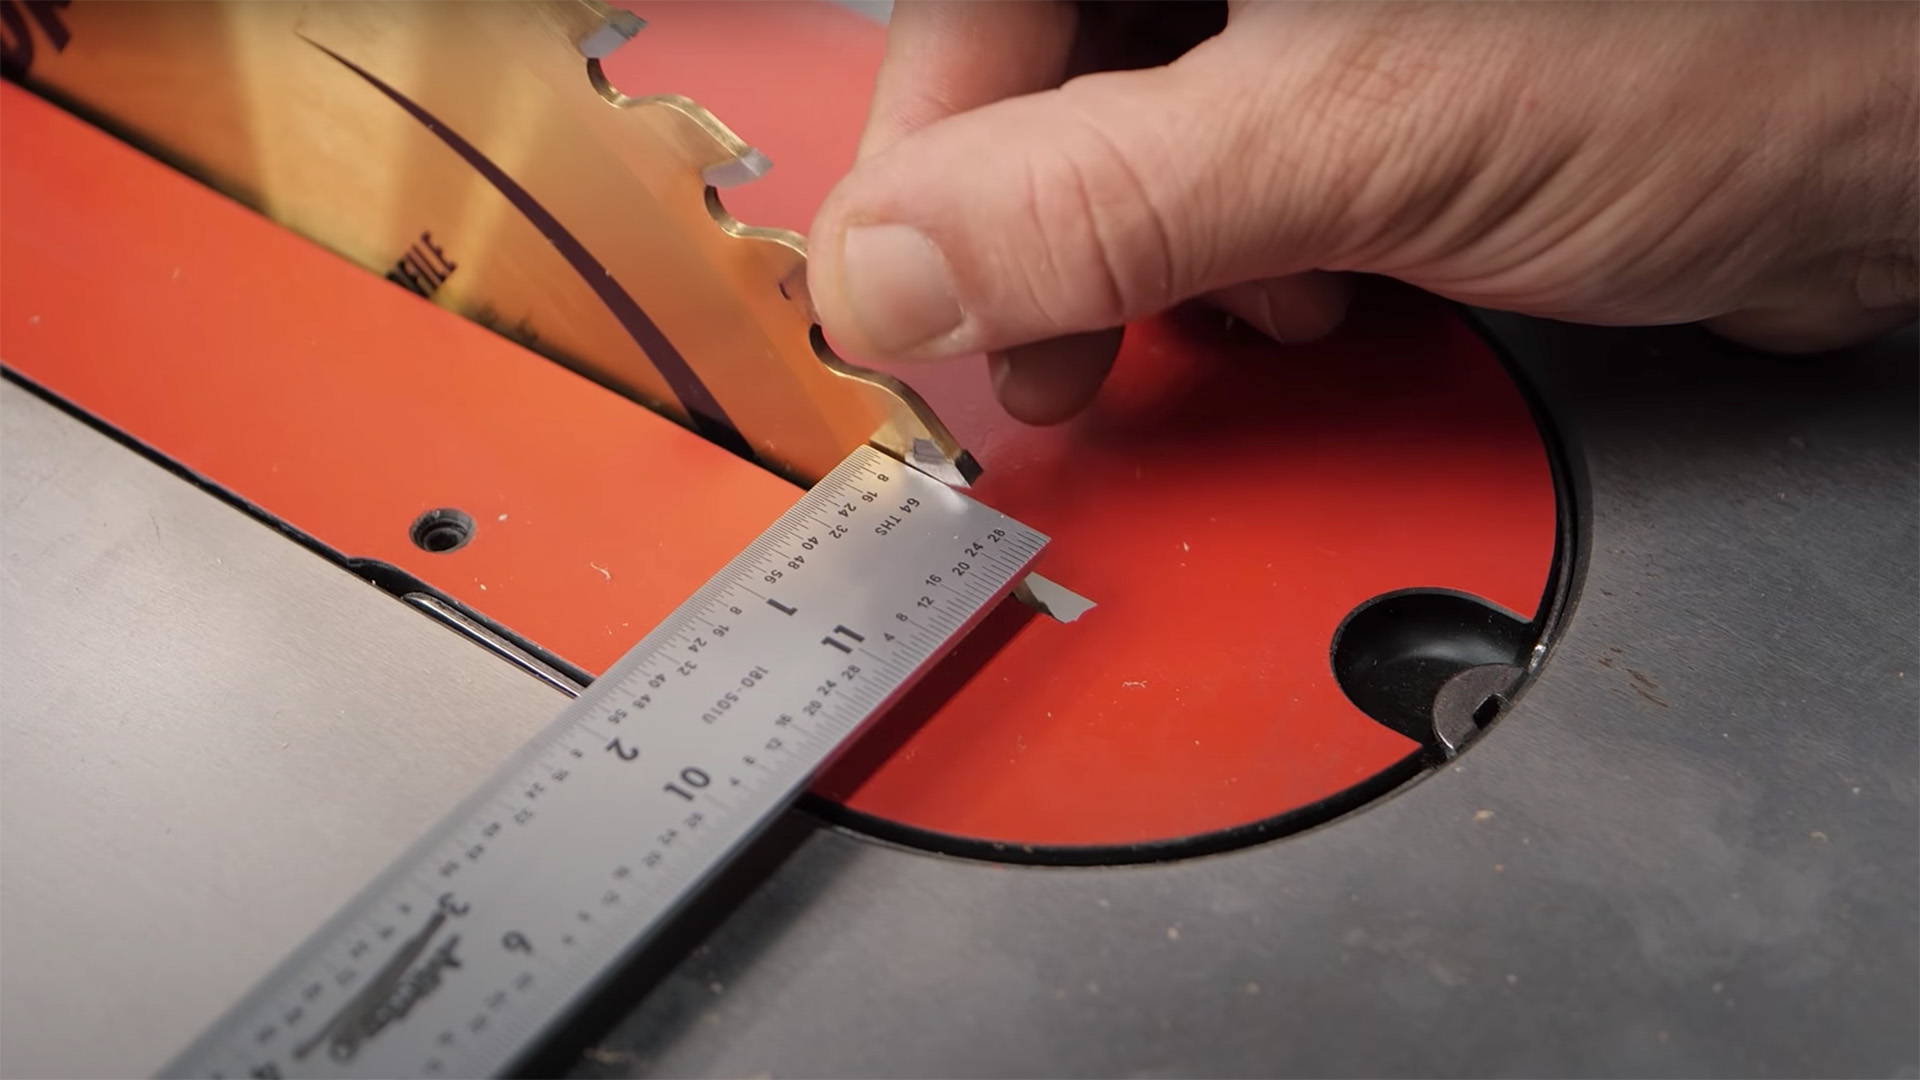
[945, 57]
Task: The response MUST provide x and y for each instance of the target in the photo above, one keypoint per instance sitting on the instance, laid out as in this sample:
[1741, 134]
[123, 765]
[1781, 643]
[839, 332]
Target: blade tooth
[602, 41]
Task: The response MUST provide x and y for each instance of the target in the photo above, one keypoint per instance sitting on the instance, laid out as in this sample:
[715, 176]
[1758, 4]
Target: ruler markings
[504, 916]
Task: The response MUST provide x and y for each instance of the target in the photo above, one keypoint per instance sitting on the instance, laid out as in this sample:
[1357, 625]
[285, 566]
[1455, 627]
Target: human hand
[1753, 166]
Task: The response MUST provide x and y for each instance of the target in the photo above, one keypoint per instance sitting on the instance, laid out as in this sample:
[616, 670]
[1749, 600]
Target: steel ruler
[459, 957]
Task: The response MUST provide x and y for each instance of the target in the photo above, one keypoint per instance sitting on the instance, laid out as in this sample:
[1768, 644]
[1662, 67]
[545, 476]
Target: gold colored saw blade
[476, 154]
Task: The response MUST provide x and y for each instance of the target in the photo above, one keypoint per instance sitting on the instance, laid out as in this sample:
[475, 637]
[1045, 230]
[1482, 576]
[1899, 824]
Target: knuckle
[1112, 248]
[1393, 118]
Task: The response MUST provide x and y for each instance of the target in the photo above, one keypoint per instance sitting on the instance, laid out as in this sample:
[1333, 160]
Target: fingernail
[898, 287]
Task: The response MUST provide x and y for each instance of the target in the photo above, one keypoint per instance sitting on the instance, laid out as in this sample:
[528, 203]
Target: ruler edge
[398, 868]
[852, 465]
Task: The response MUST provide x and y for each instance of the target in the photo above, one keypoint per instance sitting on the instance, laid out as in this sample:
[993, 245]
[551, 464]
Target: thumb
[1070, 211]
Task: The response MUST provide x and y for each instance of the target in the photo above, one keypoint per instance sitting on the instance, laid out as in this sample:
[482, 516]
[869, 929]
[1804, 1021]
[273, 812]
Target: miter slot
[497, 643]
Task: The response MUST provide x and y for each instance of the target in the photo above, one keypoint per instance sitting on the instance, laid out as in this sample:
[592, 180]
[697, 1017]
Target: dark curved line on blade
[709, 419]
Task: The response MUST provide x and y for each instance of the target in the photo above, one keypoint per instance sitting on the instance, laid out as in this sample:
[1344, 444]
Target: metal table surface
[1689, 849]
[211, 738]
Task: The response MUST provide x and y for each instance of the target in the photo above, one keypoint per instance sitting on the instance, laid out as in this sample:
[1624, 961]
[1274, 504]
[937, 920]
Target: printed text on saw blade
[471, 945]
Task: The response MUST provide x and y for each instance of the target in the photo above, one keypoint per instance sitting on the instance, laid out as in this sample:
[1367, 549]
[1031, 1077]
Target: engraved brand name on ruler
[463, 953]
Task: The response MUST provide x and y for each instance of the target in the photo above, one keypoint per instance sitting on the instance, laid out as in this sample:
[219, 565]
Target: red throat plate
[1227, 501]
